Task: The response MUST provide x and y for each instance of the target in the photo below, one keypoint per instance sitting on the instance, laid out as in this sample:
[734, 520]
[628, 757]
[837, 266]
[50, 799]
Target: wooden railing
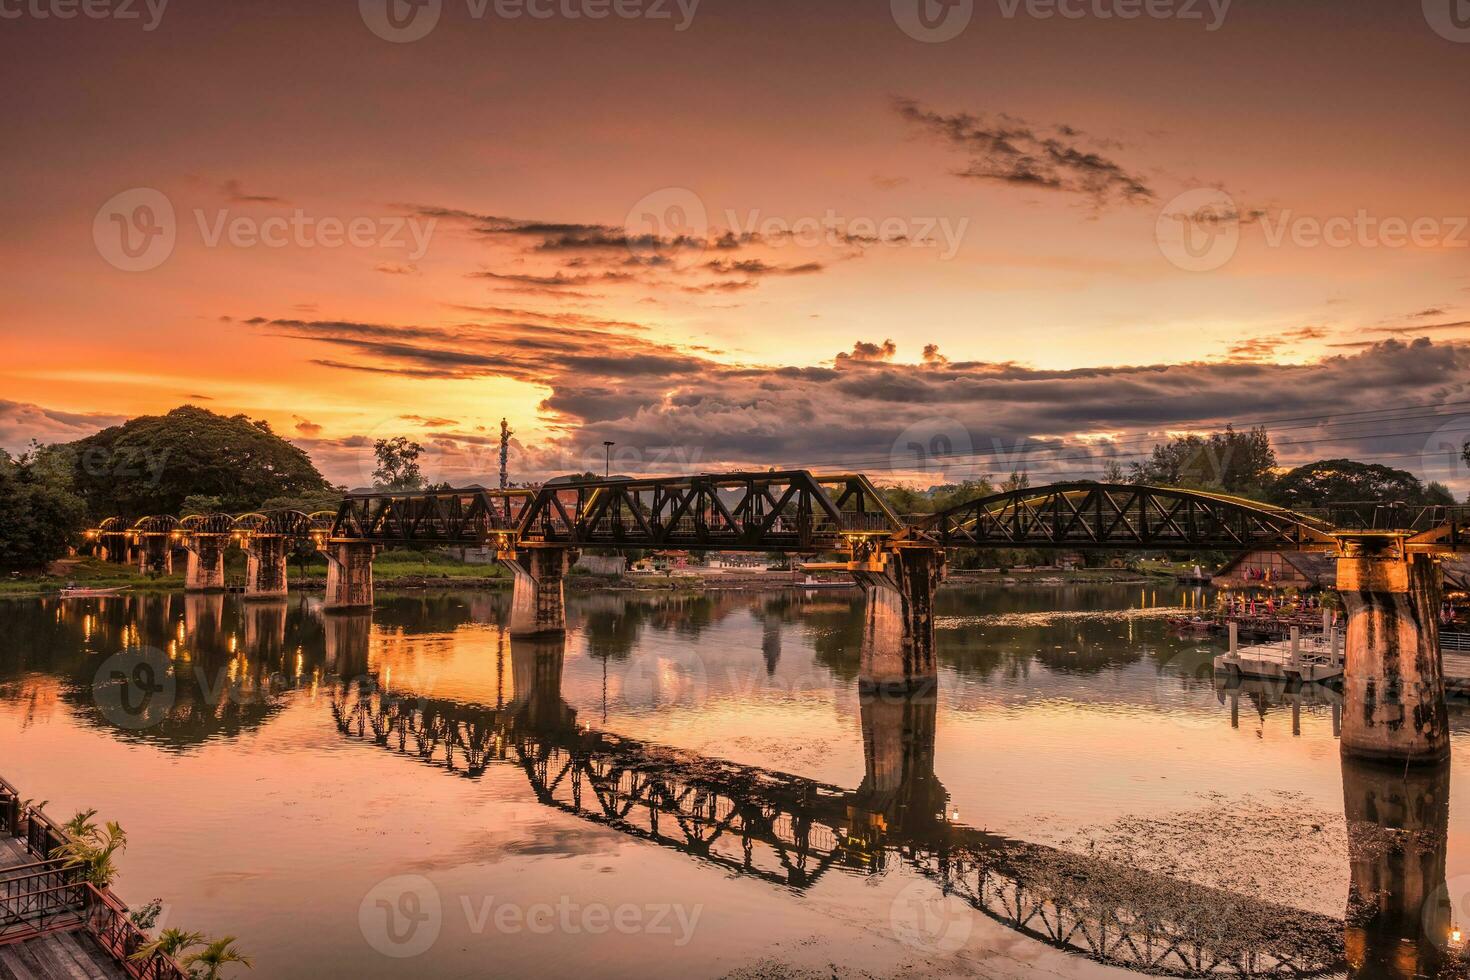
[47, 896]
[34, 909]
[109, 923]
[1454, 641]
[9, 808]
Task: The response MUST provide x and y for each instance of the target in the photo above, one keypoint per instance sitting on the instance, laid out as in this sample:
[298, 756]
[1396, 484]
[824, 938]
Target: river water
[694, 786]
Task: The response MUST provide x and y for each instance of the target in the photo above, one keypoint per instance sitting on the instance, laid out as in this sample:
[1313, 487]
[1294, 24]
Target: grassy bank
[393, 568]
[404, 569]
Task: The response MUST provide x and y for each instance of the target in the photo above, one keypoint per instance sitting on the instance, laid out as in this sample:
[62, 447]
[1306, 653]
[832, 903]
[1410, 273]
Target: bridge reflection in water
[781, 828]
[790, 831]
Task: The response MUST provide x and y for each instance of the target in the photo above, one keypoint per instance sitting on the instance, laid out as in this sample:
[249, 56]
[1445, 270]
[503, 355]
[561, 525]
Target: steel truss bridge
[798, 511]
[788, 831]
[290, 524]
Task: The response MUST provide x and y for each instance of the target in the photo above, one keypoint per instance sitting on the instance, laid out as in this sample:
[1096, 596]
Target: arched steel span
[274, 524]
[159, 525]
[788, 830]
[1104, 515]
[207, 524]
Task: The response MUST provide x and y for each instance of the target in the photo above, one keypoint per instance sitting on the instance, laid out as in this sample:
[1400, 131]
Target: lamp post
[607, 466]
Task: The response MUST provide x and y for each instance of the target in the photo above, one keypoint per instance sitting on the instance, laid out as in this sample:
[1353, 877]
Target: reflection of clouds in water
[530, 838]
[1049, 618]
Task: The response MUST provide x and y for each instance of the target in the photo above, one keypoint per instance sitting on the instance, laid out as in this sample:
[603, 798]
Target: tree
[90, 848]
[1113, 472]
[1333, 481]
[170, 942]
[1241, 463]
[39, 514]
[1437, 493]
[209, 961]
[151, 464]
[398, 464]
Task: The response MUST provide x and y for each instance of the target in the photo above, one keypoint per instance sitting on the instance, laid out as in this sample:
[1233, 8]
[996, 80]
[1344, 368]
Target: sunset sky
[742, 233]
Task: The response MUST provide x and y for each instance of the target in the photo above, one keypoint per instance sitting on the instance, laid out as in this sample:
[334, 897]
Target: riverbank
[411, 570]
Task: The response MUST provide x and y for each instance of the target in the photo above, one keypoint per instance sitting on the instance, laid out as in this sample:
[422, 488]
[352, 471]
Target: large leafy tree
[1336, 481]
[153, 463]
[398, 464]
[1241, 463]
[39, 513]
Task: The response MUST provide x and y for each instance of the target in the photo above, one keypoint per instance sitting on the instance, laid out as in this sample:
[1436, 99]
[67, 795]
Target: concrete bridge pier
[205, 571]
[898, 629]
[155, 555]
[1399, 909]
[349, 574]
[536, 671]
[538, 603]
[265, 568]
[1393, 681]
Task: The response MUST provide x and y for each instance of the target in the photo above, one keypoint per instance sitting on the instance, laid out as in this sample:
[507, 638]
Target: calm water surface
[695, 786]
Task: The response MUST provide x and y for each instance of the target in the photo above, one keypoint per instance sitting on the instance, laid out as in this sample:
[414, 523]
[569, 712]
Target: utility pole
[607, 466]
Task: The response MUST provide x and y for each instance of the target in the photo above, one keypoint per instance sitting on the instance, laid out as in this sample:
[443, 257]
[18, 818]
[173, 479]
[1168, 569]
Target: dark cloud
[306, 427]
[1270, 346]
[20, 422]
[1008, 150]
[679, 408]
[234, 192]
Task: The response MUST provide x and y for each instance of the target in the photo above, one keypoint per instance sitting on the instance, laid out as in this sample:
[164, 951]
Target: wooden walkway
[71, 955]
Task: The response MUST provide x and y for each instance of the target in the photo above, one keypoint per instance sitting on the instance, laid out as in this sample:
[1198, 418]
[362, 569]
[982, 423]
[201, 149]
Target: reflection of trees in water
[226, 660]
[437, 612]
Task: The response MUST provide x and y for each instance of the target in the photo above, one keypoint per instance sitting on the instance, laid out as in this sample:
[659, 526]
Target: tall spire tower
[504, 454]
